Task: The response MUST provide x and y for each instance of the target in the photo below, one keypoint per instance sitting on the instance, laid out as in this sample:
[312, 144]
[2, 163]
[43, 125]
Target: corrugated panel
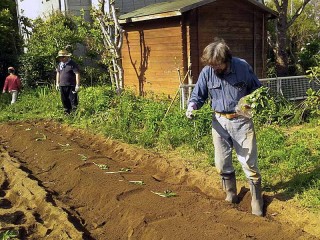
[164, 7]
[178, 6]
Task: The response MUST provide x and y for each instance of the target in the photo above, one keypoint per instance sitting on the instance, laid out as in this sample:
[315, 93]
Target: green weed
[8, 234]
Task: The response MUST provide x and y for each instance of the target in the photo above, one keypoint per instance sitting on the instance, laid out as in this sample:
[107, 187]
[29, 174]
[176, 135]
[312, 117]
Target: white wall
[49, 6]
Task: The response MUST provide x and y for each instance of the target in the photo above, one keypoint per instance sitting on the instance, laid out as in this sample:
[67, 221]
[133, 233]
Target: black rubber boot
[257, 199]
[230, 187]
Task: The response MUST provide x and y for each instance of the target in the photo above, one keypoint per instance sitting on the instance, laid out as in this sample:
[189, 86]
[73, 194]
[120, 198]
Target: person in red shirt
[12, 84]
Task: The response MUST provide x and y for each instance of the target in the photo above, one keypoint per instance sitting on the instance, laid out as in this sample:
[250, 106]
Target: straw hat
[63, 53]
[11, 68]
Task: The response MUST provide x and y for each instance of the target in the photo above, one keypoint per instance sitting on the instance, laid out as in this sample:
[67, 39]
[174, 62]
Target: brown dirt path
[54, 186]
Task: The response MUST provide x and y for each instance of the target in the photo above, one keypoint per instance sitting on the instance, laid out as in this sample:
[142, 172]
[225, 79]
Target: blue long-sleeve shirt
[225, 91]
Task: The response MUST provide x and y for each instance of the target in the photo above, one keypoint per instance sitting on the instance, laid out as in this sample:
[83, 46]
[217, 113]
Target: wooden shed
[163, 40]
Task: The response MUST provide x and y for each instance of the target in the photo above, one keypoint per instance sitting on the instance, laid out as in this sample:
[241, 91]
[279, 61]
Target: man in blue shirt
[67, 81]
[225, 80]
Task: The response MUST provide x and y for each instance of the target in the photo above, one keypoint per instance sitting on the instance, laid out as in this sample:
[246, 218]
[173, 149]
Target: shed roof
[172, 8]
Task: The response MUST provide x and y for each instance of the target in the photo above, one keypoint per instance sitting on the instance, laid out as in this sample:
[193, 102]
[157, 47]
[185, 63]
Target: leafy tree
[10, 41]
[305, 35]
[48, 36]
[307, 56]
[314, 72]
[286, 19]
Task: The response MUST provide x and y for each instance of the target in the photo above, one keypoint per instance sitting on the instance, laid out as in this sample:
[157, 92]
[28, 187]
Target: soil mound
[61, 183]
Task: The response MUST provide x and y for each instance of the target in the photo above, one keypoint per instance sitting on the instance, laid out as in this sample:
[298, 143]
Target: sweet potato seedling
[122, 170]
[167, 193]
[101, 166]
[83, 157]
[137, 182]
[65, 147]
[44, 137]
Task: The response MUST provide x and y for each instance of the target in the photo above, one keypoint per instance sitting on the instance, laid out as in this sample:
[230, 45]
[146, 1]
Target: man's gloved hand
[192, 106]
[57, 87]
[77, 88]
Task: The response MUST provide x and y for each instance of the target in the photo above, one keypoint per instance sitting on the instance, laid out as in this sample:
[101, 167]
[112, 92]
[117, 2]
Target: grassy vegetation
[289, 157]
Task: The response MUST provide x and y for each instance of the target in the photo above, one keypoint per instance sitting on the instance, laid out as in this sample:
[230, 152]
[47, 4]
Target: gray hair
[216, 52]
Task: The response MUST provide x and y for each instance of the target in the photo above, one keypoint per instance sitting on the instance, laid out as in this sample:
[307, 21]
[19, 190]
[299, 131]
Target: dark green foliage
[308, 108]
[297, 33]
[57, 32]
[307, 56]
[10, 41]
[48, 36]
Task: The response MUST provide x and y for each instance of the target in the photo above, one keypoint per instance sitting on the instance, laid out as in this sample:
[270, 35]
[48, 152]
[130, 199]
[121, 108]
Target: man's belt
[227, 115]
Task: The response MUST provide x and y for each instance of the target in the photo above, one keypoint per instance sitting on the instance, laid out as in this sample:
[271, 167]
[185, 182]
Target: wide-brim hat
[63, 53]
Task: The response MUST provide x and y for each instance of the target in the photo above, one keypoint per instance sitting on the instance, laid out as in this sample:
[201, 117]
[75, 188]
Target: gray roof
[173, 8]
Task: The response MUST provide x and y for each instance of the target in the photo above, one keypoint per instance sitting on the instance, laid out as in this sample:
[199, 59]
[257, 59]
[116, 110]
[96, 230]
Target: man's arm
[200, 92]
[199, 95]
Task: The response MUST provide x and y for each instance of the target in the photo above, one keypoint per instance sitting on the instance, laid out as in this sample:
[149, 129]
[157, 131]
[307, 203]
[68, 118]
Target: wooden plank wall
[239, 23]
[151, 55]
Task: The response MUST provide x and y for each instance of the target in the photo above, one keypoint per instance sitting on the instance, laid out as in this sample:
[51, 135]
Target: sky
[33, 9]
[30, 10]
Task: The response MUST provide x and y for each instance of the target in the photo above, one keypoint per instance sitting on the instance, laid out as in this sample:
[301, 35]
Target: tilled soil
[61, 183]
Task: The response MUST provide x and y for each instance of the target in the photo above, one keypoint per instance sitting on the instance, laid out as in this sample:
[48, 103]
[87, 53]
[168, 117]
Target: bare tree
[284, 21]
[112, 39]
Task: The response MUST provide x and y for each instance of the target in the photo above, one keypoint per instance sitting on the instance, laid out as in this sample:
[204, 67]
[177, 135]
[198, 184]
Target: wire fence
[292, 88]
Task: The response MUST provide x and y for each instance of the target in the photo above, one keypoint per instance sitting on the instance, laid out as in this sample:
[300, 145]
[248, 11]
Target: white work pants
[14, 94]
[237, 133]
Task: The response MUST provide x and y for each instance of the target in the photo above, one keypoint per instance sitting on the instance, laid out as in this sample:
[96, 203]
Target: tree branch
[276, 2]
[298, 12]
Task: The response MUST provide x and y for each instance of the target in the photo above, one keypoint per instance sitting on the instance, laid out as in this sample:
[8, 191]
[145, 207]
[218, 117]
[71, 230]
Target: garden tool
[257, 199]
[229, 186]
